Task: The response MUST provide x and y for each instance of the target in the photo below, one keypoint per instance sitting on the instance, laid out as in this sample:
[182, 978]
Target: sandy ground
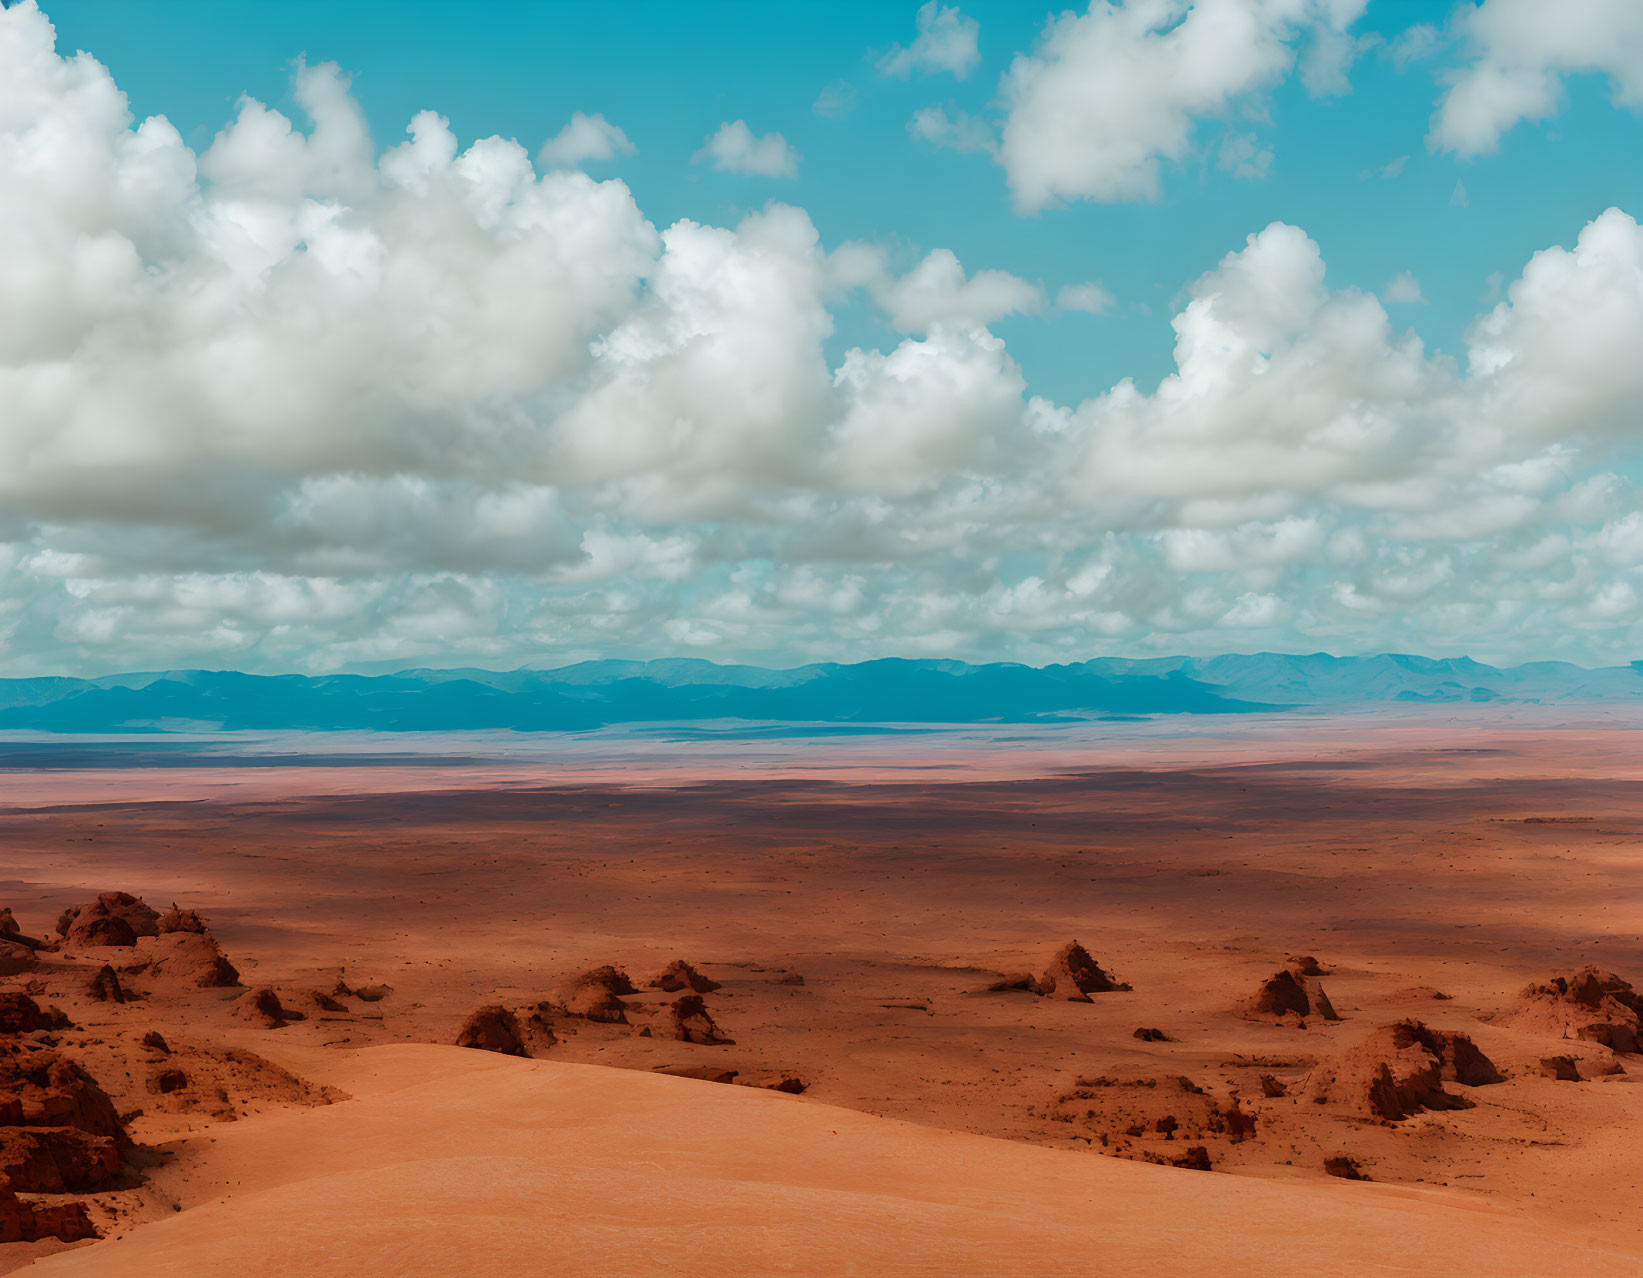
[1413, 853]
[451, 1162]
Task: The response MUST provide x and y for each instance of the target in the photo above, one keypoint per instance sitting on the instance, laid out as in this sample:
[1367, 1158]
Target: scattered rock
[1074, 975]
[1285, 994]
[262, 1006]
[179, 920]
[1304, 965]
[372, 993]
[1272, 1088]
[162, 1082]
[790, 978]
[792, 1084]
[1130, 1115]
[680, 975]
[538, 1027]
[105, 987]
[156, 1041]
[1400, 1070]
[1562, 1068]
[692, 1024]
[1149, 1035]
[493, 1029]
[1195, 1159]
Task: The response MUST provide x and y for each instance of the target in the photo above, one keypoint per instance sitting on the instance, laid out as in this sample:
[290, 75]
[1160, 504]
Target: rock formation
[1399, 1070]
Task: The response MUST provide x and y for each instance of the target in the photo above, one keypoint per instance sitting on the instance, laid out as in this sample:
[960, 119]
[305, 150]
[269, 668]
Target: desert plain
[1329, 1009]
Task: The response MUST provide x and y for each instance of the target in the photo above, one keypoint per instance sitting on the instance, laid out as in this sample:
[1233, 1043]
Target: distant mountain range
[596, 694]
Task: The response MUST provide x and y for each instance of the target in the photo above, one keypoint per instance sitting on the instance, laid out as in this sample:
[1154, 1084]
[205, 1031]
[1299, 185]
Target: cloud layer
[293, 401]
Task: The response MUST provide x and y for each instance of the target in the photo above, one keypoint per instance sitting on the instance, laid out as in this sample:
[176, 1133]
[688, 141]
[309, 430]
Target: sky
[352, 337]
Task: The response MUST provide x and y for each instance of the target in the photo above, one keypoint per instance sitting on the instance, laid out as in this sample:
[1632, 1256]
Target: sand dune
[450, 1161]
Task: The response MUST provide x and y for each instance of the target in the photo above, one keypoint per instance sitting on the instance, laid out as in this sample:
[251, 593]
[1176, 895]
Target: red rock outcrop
[20, 1014]
[680, 975]
[32, 1222]
[16, 959]
[492, 1029]
[52, 1090]
[1590, 1004]
[57, 1160]
[1074, 975]
[1399, 1070]
[113, 919]
[12, 931]
[693, 1024]
[180, 920]
[1286, 994]
[105, 987]
[595, 995]
[262, 1006]
[186, 960]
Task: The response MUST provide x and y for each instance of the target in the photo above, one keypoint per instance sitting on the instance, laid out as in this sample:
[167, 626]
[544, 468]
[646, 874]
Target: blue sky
[691, 409]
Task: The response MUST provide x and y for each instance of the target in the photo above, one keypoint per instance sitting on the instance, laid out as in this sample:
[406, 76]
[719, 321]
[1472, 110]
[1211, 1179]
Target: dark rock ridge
[593, 694]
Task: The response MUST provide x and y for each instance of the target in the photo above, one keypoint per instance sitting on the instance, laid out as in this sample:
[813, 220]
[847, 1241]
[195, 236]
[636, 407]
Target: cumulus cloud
[584, 138]
[735, 148]
[1105, 96]
[947, 41]
[292, 401]
[1520, 52]
[936, 293]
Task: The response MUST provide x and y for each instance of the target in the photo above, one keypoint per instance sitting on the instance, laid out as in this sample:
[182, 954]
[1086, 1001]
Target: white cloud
[836, 100]
[735, 148]
[1090, 298]
[947, 41]
[1243, 156]
[1404, 289]
[1521, 50]
[936, 292]
[584, 138]
[291, 402]
[1105, 96]
[958, 131]
[1414, 44]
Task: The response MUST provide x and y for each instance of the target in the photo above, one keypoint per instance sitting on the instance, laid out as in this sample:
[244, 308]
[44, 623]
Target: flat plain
[854, 898]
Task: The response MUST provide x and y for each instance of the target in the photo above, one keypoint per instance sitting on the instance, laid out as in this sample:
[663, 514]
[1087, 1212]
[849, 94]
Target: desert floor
[1435, 852]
